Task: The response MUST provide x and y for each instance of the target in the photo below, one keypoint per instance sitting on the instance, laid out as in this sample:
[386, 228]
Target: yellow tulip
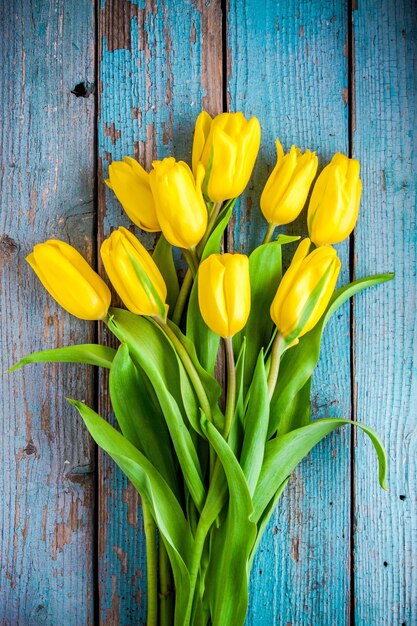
[305, 290]
[130, 183]
[224, 292]
[287, 188]
[227, 146]
[124, 259]
[180, 205]
[69, 279]
[334, 203]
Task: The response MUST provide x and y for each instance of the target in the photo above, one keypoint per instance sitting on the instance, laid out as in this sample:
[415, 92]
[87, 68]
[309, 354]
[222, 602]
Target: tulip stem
[192, 260]
[165, 586]
[269, 233]
[187, 283]
[276, 352]
[151, 566]
[189, 367]
[231, 386]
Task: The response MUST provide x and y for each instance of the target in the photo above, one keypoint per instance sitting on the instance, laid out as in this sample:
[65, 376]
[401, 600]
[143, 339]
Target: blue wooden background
[328, 75]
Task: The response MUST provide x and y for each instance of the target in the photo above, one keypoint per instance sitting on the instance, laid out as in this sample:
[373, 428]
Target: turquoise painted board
[47, 165]
[384, 139]
[159, 65]
[299, 93]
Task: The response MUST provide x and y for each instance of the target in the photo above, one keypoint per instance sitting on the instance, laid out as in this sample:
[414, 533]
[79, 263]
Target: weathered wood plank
[385, 338]
[47, 479]
[159, 65]
[287, 65]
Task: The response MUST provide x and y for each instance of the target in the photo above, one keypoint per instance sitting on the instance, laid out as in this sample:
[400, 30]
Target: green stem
[165, 587]
[151, 566]
[199, 541]
[189, 367]
[192, 260]
[212, 220]
[269, 233]
[187, 283]
[231, 387]
[276, 353]
[212, 508]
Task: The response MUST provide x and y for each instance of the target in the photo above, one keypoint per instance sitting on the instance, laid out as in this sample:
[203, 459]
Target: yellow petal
[201, 133]
[70, 279]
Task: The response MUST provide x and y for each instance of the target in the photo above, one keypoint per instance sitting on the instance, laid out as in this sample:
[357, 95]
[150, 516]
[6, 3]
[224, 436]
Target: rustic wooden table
[329, 75]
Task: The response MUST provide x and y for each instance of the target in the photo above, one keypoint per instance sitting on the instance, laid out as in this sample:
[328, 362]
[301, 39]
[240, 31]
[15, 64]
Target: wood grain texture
[385, 338]
[287, 65]
[47, 473]
[160, 63]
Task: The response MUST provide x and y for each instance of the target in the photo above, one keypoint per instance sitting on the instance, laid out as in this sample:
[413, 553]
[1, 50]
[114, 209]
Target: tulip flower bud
[134, 274]
[130, 183]
[69, 279]
[180, 206]
[305, 290]
[224, 292]
[287, 188]
[227, 146]
[334, 203]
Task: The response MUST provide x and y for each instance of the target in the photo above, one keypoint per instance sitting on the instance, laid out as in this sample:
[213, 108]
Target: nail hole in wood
[83, 90]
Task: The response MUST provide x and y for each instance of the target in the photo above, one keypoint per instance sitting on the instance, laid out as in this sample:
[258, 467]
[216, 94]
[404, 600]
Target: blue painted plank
[160, 63]
[47, 163]
[288, 66]
[385, 338]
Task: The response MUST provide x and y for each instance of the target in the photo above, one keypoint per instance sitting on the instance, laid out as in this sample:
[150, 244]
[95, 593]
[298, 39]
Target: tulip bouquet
[210, 463]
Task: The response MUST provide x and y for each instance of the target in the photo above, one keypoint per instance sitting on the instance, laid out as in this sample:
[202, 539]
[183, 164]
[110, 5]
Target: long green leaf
[163, 257]
[210, 384]
[150, 348]
[284, 453]
[89, 353]
[299, 362]
[139, 417]
[297, 412]
[264, 521]
[255, 426]
[155, 492]
[226, 582]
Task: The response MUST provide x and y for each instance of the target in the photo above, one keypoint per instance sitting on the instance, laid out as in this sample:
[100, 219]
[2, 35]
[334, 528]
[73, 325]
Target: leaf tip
[75, 403]
[15, 367]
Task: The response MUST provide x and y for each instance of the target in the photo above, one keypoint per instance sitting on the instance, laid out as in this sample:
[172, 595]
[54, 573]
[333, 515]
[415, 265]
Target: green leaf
[255, 426]
[89, 353]
[265, 268]
[163, 257]
[264, 520]
[299, 362]
[150, 348]
[139, 415]
[240, 368]
[157, 495]
[284, 453]
[226, 582]
[214, 242]
[298, 411]
[346, 292]
[210, 384]
[148, 286]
